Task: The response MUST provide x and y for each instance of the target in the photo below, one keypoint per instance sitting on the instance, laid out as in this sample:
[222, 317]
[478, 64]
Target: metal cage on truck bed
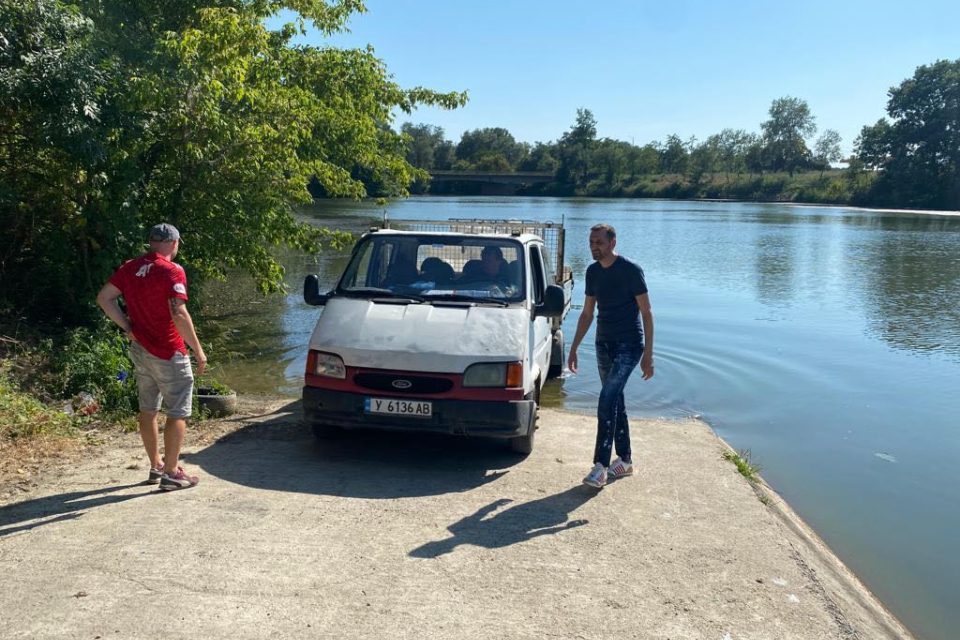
[552, 233]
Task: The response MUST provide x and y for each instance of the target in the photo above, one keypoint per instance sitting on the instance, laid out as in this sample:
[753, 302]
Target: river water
[824, 340]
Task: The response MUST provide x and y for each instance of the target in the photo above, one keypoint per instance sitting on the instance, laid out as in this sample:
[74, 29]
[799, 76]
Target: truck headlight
[328, 365]
[494, 374]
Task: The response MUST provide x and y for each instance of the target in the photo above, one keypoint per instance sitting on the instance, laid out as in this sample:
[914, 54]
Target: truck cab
[448, 326]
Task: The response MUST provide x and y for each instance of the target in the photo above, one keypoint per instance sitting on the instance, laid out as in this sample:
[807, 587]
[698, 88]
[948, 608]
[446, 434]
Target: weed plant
[745, 465]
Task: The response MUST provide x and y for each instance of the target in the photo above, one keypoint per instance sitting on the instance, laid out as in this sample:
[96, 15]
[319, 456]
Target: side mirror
[311, 292]
[553, 303]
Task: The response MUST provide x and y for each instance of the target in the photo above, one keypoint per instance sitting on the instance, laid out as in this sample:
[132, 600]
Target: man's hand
[201, 362]
[572, 361]
[646, 366]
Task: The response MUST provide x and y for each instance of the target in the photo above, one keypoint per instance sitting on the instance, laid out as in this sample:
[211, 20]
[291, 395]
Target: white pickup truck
[450, 326]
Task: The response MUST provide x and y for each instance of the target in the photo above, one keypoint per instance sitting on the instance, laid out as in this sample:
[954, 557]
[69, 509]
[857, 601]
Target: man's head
[603, 239]
[164, 239]
[492, 259]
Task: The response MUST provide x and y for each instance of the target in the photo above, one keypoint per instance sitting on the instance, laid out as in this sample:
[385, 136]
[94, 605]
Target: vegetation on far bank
[909, 160]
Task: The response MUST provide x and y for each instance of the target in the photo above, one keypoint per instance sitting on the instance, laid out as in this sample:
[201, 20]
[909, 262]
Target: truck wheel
[326, 431]
[524, 444]
[556, 356]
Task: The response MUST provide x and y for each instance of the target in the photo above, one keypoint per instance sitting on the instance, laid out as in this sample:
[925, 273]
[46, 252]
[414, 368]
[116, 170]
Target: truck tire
[524, 444]
[557, 356]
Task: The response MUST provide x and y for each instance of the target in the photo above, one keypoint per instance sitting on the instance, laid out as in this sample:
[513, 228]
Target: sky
[650, 69]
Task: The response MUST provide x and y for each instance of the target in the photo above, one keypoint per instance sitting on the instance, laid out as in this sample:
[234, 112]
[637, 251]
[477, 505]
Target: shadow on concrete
[63, 506]
[519, 523]
[281, 454]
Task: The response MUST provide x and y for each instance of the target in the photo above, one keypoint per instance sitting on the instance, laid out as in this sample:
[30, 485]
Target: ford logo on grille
[401, 384]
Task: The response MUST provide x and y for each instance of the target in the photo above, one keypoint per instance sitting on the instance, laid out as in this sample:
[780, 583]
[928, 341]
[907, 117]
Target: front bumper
[500, 419]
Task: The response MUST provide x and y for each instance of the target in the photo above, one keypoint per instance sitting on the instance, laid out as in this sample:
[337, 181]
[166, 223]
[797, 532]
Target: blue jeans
[616, 361]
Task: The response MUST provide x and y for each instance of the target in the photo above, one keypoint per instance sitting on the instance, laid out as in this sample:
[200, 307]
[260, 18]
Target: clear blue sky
[649, 69]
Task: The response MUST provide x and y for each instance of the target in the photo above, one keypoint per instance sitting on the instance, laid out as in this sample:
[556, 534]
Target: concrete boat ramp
[387, 535]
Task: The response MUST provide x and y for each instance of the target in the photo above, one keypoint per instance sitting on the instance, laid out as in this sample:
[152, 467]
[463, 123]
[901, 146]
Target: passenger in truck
[437, 271]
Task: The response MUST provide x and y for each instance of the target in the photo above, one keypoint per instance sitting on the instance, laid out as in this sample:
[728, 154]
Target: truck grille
[417, 384]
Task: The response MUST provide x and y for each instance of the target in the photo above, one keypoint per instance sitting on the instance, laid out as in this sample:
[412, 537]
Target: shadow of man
[64, 506]
[519, 523]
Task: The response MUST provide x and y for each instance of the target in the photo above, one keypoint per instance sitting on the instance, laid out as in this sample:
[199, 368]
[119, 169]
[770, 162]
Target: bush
[96, 362]
[23, 416]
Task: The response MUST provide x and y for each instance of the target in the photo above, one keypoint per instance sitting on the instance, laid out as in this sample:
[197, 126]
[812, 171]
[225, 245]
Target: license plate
[394, 407]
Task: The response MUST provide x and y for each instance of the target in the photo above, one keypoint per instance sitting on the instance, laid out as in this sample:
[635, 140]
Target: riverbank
[291, 537]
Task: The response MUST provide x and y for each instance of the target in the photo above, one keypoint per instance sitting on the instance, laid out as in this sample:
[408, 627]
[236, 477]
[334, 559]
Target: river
[824, 340]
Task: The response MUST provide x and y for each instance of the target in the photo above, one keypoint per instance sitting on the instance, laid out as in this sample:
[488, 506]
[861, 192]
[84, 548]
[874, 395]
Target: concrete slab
[407, 536]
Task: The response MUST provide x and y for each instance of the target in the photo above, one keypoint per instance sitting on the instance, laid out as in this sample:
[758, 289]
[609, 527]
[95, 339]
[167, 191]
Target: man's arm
[646, 314]
[583, 325]
[184, 323]
[108, 301]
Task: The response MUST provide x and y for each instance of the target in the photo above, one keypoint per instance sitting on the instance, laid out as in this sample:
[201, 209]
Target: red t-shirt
[147, 284]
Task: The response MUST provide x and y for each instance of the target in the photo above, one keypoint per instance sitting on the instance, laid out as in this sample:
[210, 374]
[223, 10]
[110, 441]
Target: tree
[674, 155]
[784, 134]
[826, 151]
[542, 157]
[575, 147]
[427, 146]
[488, 142]
[872, 146]
[132, 112]
[918, 149]
[733, 145]
[642, 160]
[753, 153]
[609, 161]
[704, 158]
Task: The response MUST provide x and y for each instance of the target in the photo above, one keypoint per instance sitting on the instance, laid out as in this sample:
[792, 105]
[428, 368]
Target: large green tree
[918, 149]
[426, 146]
[785, 134]
[491, 141]
[575, 149]
[121, 113]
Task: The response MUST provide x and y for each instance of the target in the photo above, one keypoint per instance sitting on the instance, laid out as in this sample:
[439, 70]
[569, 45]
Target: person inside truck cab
[401, 272]
[490, 266]
[437, 271]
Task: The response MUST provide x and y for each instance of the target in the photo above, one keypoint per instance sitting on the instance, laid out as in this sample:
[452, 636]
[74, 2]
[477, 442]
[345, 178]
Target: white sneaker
[620, 469]
[597, 476]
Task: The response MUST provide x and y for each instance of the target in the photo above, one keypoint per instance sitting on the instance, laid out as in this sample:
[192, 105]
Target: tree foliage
[478, 144]
[785, 133]
[118, 115]
[575, 148]
[918, 149]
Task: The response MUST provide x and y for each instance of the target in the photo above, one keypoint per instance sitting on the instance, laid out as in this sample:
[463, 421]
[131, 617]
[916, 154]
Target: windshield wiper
[460, 297]
[376, 292]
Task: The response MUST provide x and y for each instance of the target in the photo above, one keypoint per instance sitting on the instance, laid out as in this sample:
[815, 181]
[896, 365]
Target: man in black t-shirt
[617, 288]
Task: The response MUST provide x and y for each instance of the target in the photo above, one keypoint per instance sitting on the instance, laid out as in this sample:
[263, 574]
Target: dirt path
[408, 536]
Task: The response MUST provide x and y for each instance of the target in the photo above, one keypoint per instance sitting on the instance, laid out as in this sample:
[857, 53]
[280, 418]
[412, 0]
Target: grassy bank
[839, 186]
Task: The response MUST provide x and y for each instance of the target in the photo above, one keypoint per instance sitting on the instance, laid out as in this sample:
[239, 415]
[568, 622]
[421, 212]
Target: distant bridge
[494, 183]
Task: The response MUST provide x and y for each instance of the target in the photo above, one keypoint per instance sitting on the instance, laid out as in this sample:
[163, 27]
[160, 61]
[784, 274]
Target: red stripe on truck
[457, 392]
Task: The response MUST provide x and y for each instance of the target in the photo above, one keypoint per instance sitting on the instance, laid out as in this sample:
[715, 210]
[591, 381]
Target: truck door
[540, 330]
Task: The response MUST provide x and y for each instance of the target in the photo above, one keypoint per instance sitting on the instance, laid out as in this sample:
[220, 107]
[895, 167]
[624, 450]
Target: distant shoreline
[932, 212]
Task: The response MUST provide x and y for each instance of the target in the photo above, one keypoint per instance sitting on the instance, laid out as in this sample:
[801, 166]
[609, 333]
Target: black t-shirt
[616, 289]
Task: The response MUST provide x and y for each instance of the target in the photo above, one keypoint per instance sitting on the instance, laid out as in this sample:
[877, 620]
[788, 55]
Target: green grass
[23, 417]
[747, 467]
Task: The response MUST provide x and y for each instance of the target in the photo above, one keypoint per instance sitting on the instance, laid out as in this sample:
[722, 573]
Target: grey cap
[163, 232]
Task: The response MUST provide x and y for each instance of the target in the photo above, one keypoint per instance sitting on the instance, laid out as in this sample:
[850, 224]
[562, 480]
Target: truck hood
[420, 337]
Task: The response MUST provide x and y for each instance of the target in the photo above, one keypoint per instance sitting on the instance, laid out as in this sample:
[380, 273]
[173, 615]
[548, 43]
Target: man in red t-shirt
[159, 328]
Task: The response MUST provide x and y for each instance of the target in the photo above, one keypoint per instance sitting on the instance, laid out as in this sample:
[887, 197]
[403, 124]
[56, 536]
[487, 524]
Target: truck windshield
[450, 267]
